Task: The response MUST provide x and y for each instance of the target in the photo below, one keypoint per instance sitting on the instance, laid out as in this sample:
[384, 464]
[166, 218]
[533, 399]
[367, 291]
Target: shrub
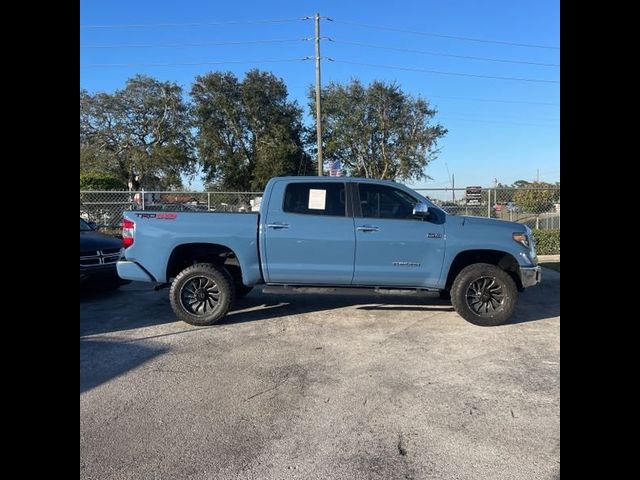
[100, 181]
[547, 242]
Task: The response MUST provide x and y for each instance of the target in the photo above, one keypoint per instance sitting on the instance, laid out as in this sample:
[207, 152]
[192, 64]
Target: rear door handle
[277, 225]
[367, 228]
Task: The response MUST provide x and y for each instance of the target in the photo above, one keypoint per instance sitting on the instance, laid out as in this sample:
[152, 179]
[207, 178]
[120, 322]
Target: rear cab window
[315, 198]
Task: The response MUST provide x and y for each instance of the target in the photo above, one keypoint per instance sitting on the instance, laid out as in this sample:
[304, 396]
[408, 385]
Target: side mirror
[93, 225]
[421, 210]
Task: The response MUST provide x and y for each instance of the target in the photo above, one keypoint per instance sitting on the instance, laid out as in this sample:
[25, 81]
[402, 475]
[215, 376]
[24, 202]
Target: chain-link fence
[105, 208]
[537, 208]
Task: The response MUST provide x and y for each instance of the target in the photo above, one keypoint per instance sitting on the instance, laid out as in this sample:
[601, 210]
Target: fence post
[208, 201]
[489, 203]
[142, 199]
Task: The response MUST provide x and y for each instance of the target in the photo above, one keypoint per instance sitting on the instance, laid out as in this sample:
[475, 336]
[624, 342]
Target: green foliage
[547, 242]
[140, 134]
[535, 197]
[248, 130]
[100, 181]
[377, 131]
[521, 183]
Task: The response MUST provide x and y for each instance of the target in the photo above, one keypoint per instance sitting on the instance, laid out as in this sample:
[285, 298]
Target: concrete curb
[548, 258]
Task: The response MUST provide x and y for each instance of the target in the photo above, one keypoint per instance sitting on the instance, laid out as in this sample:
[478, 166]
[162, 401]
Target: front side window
[380, 201]
[315, 199]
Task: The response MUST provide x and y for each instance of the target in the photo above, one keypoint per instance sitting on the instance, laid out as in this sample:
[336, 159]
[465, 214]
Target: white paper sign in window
[317, 199]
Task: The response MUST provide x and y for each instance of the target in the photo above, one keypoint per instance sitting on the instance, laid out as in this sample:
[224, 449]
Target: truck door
[394, 248]
[308, 234]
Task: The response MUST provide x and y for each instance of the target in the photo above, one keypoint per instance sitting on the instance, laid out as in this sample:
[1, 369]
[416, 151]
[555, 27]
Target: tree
[378, 131]
[140, 131]
[535, 197]
[556, 193]
[248, 130]
[521, 183]
[504, 193]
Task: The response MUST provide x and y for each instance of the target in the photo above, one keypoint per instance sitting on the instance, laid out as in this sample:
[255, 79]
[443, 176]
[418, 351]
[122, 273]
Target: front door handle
[367, 228]
[277, 225]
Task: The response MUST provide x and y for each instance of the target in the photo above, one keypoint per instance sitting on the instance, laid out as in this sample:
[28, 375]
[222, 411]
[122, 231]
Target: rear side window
[315, 199]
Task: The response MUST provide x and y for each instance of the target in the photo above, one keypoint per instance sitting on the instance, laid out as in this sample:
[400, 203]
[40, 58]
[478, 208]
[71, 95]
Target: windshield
[84, 226]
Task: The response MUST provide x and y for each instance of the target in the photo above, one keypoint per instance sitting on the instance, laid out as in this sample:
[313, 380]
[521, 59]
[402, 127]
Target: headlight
[523, 238]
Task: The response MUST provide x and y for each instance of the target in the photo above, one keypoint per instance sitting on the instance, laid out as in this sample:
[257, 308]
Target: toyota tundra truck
[334, 233]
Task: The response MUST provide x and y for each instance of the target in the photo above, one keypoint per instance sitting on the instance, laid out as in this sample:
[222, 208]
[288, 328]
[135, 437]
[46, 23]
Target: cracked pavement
[315, 387]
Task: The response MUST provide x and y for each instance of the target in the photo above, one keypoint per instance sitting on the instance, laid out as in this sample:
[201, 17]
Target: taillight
[127, 233]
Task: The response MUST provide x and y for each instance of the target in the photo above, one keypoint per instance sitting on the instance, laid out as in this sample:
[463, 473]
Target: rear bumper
[104, 274]
[133, 271]
[530, 276]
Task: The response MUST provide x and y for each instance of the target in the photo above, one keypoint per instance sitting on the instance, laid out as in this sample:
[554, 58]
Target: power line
[197, 24]
[453, 37]
[204, 44]
[183, 64]
[498, 122]
[439, 54]
[518, 116]
[439, 72]
[495, 100]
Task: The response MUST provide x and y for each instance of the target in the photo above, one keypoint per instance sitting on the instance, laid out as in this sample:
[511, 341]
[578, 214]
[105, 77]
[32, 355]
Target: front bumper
[530, 276]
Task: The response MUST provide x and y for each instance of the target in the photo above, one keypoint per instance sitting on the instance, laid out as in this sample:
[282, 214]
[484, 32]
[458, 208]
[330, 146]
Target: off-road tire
[484, 294]
[202, 294]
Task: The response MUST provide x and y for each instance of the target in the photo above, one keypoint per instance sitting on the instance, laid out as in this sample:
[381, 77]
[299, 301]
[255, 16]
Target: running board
[288, 289]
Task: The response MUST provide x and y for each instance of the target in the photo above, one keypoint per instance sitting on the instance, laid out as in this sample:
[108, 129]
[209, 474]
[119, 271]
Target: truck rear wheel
[202, 294]
[484, 294]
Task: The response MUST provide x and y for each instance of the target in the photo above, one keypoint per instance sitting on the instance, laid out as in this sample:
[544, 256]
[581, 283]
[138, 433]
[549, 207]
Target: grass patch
[552, 265]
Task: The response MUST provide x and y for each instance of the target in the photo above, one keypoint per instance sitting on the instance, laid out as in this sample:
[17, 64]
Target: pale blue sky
[508, 139]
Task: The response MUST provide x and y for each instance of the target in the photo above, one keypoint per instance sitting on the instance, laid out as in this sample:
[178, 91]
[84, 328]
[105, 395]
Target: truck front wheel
[484, 294]
[202, 294]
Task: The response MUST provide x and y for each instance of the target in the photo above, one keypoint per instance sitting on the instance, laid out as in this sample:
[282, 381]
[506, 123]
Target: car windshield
[84, 226]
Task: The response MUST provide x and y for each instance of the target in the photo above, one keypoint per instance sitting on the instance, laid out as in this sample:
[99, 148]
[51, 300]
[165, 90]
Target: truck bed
[158, 234]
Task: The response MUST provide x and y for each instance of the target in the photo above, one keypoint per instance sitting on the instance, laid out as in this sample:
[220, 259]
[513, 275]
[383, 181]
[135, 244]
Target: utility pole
[537, 174]
[318, 110]
[453, 186]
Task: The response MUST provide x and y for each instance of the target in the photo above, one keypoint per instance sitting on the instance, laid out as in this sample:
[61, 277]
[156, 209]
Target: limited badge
[434, 235]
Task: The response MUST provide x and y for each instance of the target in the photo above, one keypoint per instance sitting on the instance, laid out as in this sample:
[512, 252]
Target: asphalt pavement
[319, 387]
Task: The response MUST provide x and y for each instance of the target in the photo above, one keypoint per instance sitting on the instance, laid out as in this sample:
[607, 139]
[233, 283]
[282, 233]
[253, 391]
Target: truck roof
[335, 179]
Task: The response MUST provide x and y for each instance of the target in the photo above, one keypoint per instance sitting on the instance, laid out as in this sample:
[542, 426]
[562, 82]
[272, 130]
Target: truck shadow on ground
[138, 307]
[538, 303]
[101, 361]
[262, 307]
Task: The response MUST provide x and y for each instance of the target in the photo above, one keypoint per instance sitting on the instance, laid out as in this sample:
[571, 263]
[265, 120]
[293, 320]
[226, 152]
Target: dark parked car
[98, 256]
[177, 207]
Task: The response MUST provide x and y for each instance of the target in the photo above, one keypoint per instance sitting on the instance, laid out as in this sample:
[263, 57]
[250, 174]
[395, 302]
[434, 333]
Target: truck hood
[466, 221]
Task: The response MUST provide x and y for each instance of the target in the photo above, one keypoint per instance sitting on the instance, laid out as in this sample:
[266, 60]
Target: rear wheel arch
[188, 254]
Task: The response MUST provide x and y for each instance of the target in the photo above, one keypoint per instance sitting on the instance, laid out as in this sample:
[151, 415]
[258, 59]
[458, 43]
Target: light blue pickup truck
[336, 232]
